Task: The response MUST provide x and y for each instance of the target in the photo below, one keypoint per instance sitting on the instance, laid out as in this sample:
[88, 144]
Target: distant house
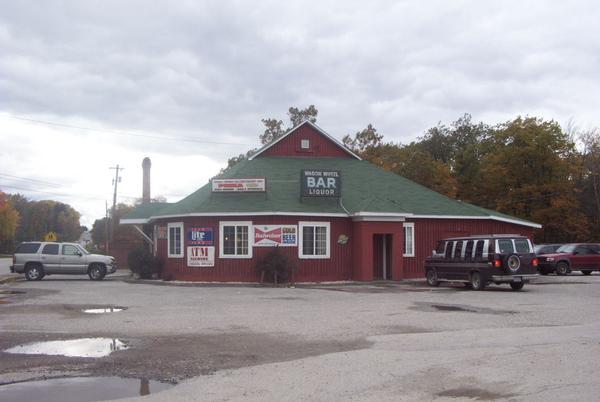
[85, 238]
[339, 217]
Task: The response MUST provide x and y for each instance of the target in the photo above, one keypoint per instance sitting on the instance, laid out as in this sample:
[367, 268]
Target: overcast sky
[203, 74]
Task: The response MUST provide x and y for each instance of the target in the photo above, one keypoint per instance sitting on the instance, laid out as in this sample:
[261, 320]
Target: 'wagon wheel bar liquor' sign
[321, 183]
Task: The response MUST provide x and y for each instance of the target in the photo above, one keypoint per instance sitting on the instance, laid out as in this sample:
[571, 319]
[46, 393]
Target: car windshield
[566, 248]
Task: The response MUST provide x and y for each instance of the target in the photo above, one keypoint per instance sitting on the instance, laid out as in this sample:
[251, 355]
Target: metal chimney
[146, 164]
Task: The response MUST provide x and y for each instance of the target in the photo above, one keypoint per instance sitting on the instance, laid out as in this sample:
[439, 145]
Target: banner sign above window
[275, 235]
[238, 185]
[321, 183]
[200, 256]
[200, 237]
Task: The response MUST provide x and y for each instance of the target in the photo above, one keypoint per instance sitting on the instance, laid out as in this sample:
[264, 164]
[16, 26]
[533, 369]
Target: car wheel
[586, 272]
[562, 268]
[34, 272]
[517, 285]
[97, 272]
[477, 281]
[432, 279]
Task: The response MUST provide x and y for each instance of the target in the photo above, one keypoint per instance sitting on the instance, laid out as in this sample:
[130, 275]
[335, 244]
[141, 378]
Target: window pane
[229, 240]
[177, 240]
[458, 249]
[69, 250]
[505, 246]
[449, 249]
[28, 248]
[50, 249]
[479, 249]
[408, 240]
[241, 240]
[320, 240]
[469, 249]
[522, 245]
[308, 240]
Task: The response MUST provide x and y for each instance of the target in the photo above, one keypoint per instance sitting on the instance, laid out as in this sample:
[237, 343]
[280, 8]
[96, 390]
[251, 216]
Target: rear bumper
[513, 278]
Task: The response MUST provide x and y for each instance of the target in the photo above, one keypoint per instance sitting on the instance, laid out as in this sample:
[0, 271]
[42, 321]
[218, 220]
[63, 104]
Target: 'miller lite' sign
[321, 183]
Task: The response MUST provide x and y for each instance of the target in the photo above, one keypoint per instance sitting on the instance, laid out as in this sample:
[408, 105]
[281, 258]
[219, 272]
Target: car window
[583, 250]
[479, 249]
[28, 248]
[449, 249]
[469, 249]
[50, 249]
[70, 250]
[505, 246]
[458, 249]
[566, 248]
[522, 246]
[595, 248]
[440, 247]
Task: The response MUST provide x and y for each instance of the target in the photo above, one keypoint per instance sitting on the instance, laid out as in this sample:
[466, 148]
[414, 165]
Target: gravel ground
[339, 342]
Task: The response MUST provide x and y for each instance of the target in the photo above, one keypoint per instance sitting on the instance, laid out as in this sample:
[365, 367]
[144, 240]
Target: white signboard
[238, 185]
[275, 235]
[199, 256]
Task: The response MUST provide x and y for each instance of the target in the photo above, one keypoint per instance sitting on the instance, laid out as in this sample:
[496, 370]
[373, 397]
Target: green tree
[364, 140]
[274, 130]
[9, 219]
[121, 231]
[589, 180]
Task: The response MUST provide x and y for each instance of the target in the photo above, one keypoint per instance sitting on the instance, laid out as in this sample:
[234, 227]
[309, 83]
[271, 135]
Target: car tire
[432, 279]
[477, 282]
[96, 272]
[562, 268]
[586, 272]
[517, 285]
[34, 272]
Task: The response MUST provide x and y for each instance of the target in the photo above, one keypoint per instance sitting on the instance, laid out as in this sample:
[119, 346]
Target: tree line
[22, 220]
[527, 167]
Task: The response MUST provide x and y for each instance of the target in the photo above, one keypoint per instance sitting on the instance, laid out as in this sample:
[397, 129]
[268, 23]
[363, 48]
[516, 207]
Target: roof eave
[313, 125]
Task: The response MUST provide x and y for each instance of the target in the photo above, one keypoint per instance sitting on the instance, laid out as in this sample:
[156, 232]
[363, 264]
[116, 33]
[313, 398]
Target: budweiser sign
[275, 235]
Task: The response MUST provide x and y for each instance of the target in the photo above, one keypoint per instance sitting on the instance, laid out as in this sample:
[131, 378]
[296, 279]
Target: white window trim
[410, 225]
[222, 224]
[181, 242]
[327, 254]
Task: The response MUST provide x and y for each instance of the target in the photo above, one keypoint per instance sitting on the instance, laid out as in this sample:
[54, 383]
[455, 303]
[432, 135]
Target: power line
[32, 180]
[119, 132]
[87, 197]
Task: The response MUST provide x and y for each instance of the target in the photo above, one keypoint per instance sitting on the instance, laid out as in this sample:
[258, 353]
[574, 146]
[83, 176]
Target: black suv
[477, 261]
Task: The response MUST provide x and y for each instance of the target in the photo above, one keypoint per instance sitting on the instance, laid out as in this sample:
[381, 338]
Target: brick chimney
[146, 164]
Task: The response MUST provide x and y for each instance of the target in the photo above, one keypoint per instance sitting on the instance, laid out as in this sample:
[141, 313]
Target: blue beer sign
[200, 237]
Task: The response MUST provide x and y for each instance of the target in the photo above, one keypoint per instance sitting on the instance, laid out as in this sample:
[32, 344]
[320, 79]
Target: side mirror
[79, 253]
[575, 252]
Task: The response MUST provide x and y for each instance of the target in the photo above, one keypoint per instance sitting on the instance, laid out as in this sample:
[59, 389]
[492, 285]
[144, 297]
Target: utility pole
[106, 227]
[116, 181]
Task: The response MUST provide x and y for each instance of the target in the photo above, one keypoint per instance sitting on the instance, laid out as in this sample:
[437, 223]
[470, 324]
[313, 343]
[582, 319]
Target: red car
[584, 257]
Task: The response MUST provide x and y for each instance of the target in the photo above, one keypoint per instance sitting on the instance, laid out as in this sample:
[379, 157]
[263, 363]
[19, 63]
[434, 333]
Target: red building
[339, 217]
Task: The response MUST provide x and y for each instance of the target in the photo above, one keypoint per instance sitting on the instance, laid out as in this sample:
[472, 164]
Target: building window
[175, 239]
[305, 144]
[409, 239]
[314, 240]
[235, 239]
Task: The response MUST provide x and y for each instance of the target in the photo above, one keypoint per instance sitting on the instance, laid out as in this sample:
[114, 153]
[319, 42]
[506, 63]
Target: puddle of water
[84, 347]
[442, 307]
[102, 310]
[474, 393]
[79, 389]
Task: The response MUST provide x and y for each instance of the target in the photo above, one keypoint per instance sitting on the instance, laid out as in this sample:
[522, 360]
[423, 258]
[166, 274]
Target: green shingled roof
[365, 188]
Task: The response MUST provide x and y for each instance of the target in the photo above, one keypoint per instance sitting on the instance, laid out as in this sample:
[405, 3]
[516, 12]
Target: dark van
[480, 260]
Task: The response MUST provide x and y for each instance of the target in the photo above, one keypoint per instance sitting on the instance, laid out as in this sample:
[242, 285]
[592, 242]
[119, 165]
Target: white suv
[38, 259]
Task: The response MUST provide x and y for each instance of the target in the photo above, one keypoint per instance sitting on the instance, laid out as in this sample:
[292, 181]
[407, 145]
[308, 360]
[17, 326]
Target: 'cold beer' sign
[321, 183]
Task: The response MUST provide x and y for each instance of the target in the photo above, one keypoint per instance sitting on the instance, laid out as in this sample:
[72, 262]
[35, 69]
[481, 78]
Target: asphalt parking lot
[379, 342]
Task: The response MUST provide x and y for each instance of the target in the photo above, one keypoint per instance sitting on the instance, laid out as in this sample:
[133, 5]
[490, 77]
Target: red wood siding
[354, 260]
[320, 145]
[338, 267]
[429, 231]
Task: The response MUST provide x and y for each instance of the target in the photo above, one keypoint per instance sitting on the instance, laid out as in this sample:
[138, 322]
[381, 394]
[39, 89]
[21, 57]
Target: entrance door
[382, 256]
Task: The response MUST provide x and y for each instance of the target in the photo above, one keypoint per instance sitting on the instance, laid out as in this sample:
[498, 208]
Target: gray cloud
[211, 70]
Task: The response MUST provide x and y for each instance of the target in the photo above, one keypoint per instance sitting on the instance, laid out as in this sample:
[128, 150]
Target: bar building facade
[339, 217]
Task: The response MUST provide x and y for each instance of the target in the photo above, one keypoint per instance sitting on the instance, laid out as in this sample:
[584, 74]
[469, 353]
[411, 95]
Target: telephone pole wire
[116, 181]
